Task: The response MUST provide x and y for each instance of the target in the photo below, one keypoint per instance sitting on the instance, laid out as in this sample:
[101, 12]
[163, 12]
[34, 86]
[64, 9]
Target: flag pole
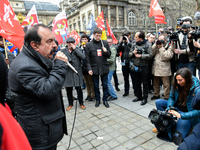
[156, 30]
[5, 50]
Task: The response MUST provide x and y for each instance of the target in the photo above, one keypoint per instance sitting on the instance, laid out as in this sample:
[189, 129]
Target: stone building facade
[122, 15]
[46, 11]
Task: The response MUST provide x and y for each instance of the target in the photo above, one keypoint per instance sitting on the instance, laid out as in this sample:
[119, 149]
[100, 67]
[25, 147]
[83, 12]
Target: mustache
[53, 50]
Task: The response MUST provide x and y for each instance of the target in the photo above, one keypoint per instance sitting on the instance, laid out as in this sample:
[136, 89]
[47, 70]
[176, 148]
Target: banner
[155, 10]
[60, 28]
[110, 33]
[31, 18]
[75, 35]
[10, 29]
[101, 25]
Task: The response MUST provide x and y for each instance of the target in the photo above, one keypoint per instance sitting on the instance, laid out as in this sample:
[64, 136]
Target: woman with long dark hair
[185, 87]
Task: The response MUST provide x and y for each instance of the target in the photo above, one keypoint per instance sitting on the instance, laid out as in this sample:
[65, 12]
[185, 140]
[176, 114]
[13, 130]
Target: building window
[132, 19]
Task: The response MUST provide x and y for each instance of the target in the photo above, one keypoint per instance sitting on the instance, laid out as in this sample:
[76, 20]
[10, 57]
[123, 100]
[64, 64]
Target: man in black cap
[72, 79]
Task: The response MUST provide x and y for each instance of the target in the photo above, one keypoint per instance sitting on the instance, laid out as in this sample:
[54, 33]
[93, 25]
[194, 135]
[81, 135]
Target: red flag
[101, 25]
[10, 29]
[75, 35]
[110, 33]
[31, 18]
[155, 10]
[60, 28]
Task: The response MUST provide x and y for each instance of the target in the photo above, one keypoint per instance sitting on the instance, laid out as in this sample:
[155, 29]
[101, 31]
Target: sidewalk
[123, 126]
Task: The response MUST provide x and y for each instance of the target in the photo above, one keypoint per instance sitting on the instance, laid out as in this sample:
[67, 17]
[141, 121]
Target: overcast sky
[51, 1]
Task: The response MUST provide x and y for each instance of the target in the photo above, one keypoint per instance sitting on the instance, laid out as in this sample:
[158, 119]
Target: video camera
[195, 35]
[162, 119]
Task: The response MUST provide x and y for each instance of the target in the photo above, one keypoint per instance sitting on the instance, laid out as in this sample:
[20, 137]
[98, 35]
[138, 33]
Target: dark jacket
[192, 114]
[125, 49]
[97, 62]
[146, 55]
[39, 105]
[11, 56]
[74, 58]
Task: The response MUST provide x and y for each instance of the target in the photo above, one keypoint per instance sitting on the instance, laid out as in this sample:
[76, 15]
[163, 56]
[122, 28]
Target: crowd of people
[39, 72]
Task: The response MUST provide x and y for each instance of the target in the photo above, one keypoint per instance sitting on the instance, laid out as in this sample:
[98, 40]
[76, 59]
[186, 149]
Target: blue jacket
[192, 114]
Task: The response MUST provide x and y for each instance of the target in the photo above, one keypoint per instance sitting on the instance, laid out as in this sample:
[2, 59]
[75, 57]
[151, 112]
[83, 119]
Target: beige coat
[161, 65]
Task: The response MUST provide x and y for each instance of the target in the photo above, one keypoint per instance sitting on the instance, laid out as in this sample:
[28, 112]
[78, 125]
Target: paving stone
[122, 139]
[96, 142]
[130, 144]
[103, 147]
[113, 143]
[86, 146]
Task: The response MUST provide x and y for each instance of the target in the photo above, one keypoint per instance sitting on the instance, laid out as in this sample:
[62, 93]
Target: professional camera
[173, 36]
[194, 35]
[186, 26]
[140, 50]
[162, 119]
[159, 42]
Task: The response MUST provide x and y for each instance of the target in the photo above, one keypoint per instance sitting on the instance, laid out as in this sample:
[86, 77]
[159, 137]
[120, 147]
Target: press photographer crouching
[140, 55]
[185, 87]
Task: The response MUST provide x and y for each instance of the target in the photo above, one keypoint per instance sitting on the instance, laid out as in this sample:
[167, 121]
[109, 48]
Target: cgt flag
[31, 18]
[10, 29]
[60, 28]
[110, 33]
[101, 25]
[75, 35]
[155, 10]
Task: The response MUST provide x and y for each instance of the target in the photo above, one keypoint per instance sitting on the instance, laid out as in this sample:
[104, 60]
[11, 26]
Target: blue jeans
[190, 66]
[183, 126]
[111, 90]
[104, 81]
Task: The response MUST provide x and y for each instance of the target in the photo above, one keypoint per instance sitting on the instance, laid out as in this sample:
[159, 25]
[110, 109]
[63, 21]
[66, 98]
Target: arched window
[131, 19]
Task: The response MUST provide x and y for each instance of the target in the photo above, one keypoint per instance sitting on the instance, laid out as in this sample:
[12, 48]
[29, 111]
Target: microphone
[72, 67]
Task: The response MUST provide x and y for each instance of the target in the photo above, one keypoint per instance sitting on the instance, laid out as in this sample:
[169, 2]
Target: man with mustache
[38, 83]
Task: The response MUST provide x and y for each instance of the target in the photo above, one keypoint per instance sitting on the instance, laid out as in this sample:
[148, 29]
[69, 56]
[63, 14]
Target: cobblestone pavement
[123, 126]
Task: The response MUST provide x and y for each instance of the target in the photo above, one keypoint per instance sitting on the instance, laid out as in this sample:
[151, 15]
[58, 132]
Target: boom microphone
[72, 67]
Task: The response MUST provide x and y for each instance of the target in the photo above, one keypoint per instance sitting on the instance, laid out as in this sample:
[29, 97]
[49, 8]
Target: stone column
[99, 10]
[125, 17]
[109, 18]
[117, 16]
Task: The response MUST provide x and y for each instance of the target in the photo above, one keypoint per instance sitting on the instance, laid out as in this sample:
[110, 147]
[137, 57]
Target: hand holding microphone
[60, 55]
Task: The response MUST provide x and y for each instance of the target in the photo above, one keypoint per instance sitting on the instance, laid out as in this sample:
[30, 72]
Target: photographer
[140, 55]
[184, 88]
[124, 47]
[161, 66]
[185, 47]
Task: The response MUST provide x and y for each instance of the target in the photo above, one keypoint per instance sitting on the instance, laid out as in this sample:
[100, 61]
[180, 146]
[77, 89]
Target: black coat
[39, 105]
[74, 58]
[97, 63]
